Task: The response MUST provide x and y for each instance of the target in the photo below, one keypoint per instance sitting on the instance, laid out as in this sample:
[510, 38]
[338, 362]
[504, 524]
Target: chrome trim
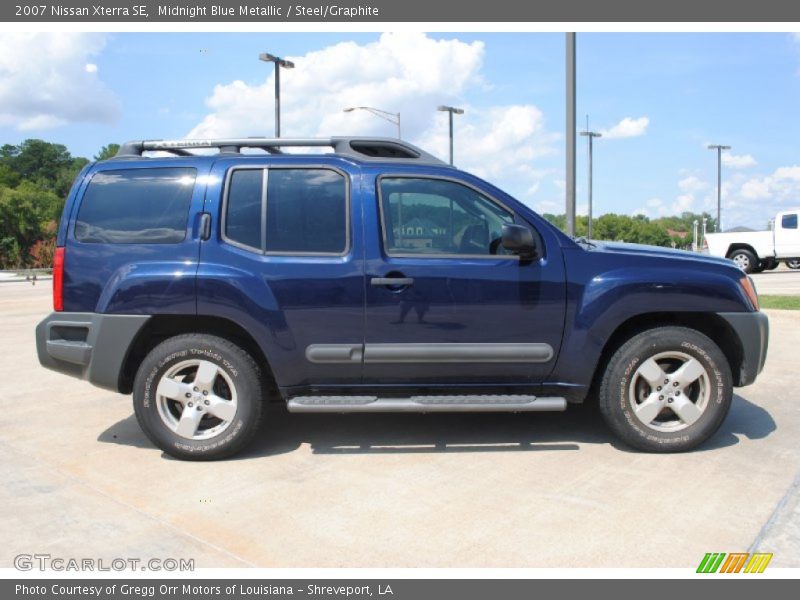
[335, 353]
[429, 353]
[425, 404]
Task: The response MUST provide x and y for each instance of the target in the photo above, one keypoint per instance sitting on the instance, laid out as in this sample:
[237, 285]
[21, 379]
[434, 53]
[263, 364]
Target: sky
[658, 99]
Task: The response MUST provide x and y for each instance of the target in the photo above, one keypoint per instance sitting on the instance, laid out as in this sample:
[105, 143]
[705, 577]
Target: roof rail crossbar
[362, 148]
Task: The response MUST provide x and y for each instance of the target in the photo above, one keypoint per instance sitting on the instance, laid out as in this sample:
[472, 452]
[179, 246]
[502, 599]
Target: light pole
[695, 245]
[452, 110]
[719, 148]
[590, 135]
[704, 233]
[571, 126]
[286, 64]
[383, 114]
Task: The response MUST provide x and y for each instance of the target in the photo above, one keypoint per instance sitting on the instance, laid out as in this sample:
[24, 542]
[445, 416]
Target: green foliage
[675, 231]
[106, 152]
[35, 178]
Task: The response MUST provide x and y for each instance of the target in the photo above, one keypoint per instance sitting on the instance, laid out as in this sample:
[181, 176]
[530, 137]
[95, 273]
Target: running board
[424, 404]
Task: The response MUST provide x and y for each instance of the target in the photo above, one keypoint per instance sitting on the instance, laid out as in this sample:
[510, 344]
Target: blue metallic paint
[581, 295]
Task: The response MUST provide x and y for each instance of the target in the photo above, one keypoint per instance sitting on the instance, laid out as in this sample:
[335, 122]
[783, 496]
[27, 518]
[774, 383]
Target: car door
[286, 264]
[787, 235]
[445, 303]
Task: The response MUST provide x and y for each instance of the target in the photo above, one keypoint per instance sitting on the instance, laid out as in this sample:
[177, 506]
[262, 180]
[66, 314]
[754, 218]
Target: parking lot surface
[780, 282]
[79, 479]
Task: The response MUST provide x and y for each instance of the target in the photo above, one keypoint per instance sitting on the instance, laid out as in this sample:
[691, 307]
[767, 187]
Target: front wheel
[794, 263]
[198, 397]
[666, 390]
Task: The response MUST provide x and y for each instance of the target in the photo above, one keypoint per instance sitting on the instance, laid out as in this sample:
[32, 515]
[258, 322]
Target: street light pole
[286, 64]
[590, 135]
[451, 110]
[719, 148]
[570, 127]
[383, 114]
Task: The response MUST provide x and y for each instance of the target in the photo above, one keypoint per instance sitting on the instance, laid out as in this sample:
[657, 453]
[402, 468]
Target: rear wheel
[794, 263]
[745, 260]
[198, 397]
[666, 390]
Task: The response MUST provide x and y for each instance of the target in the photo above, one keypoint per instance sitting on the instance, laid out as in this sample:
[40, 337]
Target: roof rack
[362, 148]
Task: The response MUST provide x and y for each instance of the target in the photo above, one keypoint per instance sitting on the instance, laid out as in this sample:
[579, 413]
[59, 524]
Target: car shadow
[334, 434]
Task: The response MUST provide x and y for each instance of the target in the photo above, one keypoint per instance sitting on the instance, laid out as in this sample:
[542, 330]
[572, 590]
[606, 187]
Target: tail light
[58, 280]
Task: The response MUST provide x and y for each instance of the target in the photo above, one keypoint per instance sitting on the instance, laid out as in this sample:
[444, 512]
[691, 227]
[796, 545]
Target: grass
[782, 302]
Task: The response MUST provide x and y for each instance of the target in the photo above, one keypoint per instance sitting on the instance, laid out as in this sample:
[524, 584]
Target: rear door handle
[205, 226]
[392, 281]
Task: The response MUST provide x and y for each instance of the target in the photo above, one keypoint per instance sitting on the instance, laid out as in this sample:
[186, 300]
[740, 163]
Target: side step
[424, 404]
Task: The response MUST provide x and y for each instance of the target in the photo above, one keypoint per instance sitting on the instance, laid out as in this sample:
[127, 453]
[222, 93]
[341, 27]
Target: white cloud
[740, 161]
[792, 172]
[409, 73]
[692, 184]
[755, 189]
[45, 81]
[628, 127]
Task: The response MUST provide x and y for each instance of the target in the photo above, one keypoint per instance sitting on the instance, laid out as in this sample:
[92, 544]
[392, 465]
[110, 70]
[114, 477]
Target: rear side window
[288, 211]
[136, 206]
[789, 221]
[243, 219]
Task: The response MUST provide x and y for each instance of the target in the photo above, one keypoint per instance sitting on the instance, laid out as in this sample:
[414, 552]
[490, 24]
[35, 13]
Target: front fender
[603, 295]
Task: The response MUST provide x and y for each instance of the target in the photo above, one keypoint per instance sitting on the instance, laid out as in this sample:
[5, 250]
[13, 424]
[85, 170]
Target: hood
[659, 252]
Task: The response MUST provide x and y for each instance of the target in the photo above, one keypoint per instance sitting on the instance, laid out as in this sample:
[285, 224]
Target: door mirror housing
[519, 240]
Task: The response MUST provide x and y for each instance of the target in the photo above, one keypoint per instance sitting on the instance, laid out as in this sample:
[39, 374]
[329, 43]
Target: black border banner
[708, 586]
[439, 11]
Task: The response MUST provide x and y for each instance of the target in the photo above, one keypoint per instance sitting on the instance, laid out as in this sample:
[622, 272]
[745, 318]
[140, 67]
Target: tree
[106, 152]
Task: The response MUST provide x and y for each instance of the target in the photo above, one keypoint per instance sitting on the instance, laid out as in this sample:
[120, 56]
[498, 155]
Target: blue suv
[207, 281]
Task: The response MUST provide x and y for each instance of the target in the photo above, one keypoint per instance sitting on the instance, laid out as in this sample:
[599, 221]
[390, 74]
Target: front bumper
[752, 329]
[89, 346]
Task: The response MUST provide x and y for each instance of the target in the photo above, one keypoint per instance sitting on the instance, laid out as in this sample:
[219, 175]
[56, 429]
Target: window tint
[789, 221]
[136, 206]
[433, 216]
[306, 211]
[243, 219]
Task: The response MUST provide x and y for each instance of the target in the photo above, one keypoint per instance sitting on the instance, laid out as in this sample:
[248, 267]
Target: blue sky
[658, 98]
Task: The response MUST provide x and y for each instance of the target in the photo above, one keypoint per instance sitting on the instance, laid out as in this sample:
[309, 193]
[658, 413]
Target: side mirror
[519, 240]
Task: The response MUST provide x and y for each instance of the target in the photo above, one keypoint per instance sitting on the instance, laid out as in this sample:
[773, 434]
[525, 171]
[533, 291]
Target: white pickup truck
[755, 251]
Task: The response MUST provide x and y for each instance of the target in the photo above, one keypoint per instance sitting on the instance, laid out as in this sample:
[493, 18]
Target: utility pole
[590, 135]
[719, 148]
[286, 64]
[571, 127]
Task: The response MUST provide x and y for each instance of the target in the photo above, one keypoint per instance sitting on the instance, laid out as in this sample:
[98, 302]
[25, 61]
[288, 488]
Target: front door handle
[392, 281]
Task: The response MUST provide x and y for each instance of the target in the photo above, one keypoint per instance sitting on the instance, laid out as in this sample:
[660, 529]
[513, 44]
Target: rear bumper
[752, 329]
[88, 346]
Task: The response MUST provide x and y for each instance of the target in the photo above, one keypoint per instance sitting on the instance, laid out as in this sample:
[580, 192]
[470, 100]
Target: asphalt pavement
[79, 479]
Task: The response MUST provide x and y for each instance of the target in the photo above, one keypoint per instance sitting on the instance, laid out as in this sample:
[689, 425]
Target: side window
[306, 211]
[436, 216]
[136, 206]
[288, 211]
[243, 212]
[789, 221]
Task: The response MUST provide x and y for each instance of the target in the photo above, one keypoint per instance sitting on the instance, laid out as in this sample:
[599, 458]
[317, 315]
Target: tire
[745, 260]
[628, 399]
[772, 265]
[212, 420]
[794, 263]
